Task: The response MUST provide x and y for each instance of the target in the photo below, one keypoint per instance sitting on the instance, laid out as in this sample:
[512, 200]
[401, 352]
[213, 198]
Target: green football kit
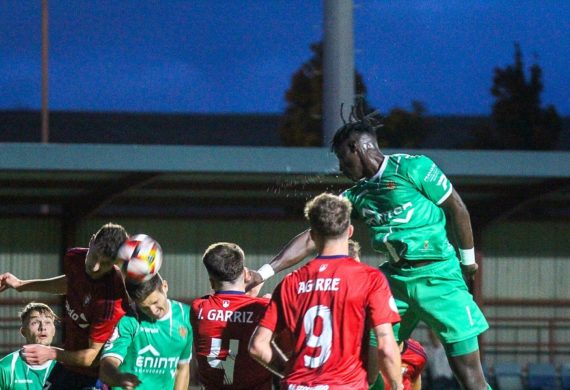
[400, 205]
[16, 374]
[152, 349]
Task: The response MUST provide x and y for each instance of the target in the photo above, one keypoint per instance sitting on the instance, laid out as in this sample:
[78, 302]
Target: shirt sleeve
[270, 319]
[105, 316]
[381, 305]
[186, 354]
[122, 337]
[429, 179]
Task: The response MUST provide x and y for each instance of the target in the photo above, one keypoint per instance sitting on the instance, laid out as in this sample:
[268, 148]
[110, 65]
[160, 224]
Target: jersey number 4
[318, 328]
[226, 365]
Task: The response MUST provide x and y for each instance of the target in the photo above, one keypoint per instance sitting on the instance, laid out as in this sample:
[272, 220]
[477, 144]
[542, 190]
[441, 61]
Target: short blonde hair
[41, 308]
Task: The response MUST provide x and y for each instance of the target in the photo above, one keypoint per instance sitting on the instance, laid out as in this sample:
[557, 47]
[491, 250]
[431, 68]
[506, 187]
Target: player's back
[223, 324]
[324, 305]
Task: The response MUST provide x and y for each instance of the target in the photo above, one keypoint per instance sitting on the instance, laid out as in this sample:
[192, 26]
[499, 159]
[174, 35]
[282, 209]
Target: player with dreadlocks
[404, 200]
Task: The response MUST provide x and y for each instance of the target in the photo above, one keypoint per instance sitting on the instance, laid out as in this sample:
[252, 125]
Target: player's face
[96, 264]
[349, 161]
[39, 329]
[155, 305]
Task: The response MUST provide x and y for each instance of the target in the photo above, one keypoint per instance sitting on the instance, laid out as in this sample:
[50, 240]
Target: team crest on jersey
[182, 331]
[426, 244]
[225, 303]
[323, 267]
[87, 299]
[391, 185]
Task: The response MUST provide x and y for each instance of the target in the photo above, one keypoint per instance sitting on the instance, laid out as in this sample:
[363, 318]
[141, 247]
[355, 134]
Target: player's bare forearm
[296, 250]
[182, 380]
[460, 220]
[81, 358]
[261, 349]
[110, 374]
[56, 285]
[389, 360]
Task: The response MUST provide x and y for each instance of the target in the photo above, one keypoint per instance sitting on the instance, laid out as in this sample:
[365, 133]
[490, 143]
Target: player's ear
[164, 286]
[350, 230]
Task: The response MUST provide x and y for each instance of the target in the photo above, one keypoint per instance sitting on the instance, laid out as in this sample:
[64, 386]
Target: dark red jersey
[92, 307]
[222, 324]
[324, 305]
[413, 362]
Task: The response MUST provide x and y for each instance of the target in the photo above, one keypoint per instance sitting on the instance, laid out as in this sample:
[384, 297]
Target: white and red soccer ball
[140, 258]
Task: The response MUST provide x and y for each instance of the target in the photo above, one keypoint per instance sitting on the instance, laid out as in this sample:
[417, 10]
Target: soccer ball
[140, 257]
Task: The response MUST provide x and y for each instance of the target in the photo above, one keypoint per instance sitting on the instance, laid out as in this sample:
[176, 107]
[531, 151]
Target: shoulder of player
[6, 361]
[74, 257]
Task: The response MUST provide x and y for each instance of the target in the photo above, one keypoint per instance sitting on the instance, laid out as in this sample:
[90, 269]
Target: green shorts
[437, 295]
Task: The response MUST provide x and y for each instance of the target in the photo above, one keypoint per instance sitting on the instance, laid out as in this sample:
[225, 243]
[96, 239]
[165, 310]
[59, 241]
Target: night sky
[216, 56]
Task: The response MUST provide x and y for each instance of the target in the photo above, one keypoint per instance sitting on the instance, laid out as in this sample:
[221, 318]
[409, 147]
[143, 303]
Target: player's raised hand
[7, 280]
[252, 279]
[470, 270]
[37, 354]
[129, 381]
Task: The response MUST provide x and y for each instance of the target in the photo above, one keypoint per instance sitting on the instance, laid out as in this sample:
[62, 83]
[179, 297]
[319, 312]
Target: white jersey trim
[446, 195]
[115, 355]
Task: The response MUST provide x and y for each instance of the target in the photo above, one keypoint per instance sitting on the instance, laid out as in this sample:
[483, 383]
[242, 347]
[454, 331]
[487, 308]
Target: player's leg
[468, 371]
[443, 302]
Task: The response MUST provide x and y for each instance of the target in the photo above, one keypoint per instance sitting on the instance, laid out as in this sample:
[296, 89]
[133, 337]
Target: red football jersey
[413, 362]
[92, 307]
[324, 305]
[222, 324]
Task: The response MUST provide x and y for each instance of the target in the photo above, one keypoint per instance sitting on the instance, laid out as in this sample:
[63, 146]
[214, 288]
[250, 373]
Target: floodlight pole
[45, 83]
[338, 64]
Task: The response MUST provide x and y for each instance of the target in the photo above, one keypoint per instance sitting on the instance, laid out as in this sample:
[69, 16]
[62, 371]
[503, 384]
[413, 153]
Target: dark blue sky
[239, 55]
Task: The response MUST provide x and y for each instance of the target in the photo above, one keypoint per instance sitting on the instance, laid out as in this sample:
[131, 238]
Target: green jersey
[16, 374]
[400, 205]
[152, 349]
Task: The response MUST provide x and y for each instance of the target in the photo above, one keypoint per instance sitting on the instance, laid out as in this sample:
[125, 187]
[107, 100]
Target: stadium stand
[565, 376]
[542, 376]
[508, 376]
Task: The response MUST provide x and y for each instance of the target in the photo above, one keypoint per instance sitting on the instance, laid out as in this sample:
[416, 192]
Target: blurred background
[198, 122]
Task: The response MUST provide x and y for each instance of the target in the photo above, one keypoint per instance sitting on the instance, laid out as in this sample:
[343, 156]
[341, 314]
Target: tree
[518, 120]
[302, 123]
[404, 129]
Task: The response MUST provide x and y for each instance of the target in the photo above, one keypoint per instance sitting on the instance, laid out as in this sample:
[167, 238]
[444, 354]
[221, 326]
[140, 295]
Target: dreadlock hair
[358, 122]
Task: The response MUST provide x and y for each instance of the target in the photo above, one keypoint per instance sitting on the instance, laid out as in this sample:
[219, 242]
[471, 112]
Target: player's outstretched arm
[182, 381]
[56, 285]
[460, 222]
[296, 250]
[110, 374]
[36, 354]
[262, 351]
[389, 360]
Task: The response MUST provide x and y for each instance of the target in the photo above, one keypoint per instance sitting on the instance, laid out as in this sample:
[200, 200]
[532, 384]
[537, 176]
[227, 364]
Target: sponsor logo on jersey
[80, 318]
[153, 363]
[225, 303]
[114, 336]
[149, 330]
[391, 185]
[182, 331]
[400, 214]
[303, 387]
[323, 267]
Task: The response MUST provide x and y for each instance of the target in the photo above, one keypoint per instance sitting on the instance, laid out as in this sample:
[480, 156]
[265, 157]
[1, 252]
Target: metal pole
[338, 64]
[45, 83]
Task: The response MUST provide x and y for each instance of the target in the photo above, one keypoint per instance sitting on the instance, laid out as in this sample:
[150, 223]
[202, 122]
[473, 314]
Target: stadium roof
[82, 180]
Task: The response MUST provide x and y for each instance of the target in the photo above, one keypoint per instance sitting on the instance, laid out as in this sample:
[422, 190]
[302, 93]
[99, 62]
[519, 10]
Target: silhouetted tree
[518, 120]
[404, 129]
[302, 123]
